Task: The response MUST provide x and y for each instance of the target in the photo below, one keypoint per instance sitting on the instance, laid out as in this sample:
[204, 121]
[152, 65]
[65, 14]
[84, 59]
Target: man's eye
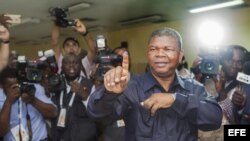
[152, 49]
[169, 49]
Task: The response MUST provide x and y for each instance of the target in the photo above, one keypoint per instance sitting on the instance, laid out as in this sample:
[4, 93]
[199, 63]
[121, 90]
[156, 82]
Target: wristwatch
[85, 33]
[6, 42]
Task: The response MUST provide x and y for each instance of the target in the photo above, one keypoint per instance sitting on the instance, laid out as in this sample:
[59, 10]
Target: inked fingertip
[142, 103]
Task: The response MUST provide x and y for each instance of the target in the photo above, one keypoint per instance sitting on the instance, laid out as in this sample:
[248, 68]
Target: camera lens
[34, 75]
[28, 88]
[54, 80]
[209, 66]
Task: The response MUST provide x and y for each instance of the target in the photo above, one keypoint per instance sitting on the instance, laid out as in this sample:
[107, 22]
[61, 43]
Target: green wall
[235, 21]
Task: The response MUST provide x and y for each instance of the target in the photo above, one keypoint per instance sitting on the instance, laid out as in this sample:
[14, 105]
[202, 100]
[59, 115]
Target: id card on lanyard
[63, 111]
[19, 132]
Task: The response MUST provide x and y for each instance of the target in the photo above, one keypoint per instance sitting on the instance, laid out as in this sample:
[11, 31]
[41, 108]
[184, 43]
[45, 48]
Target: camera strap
[20, 116]
[84, 72]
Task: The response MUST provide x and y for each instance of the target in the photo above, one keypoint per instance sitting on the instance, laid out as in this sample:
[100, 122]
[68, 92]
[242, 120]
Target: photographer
[4, 38]
[71, 45]
[23, 109]
[205, 69]
[232, 60]
[109, 130]
[182, 69]
[241, 96]
[73, 123]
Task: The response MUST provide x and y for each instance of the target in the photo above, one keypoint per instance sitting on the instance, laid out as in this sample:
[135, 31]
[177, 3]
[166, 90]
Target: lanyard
[20, 114]
[72, 97]
[20, 103]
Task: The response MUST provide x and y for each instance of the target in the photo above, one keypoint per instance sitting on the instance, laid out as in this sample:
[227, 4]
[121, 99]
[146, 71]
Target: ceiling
[101, 15]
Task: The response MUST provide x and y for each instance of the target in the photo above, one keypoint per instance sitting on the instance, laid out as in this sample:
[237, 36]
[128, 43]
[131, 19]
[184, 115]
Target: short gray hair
[167, 32]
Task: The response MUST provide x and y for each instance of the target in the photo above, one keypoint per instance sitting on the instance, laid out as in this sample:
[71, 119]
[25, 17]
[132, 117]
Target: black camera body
[56, 83]
[30, 71]
[60, 14]
[28, 88]
[106, 61]
[105, 58]
[210, 64]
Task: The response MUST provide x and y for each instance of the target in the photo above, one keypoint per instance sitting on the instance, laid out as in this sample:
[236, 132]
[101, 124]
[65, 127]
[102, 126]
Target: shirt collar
[149, 81]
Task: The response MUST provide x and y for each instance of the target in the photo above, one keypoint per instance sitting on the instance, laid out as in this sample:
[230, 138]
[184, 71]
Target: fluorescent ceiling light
[29, 20]
[217, 6]
[143, 19]
[79, 6]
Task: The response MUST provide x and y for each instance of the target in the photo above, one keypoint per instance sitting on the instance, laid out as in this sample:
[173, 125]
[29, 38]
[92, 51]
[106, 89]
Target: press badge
[62, 118]
[120, 123]
[15, 133]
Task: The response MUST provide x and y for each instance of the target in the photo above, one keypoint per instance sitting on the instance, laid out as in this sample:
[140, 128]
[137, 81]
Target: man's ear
[181, 56]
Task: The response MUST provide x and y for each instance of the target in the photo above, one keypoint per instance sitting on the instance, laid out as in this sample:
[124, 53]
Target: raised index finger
[125, 66]
[125, 63]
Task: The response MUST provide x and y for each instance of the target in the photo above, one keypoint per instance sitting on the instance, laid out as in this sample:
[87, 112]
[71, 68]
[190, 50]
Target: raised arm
[81, 28]
[4, 51]
[101, 102]
[55, 43]
[13, 93]
[41, 102]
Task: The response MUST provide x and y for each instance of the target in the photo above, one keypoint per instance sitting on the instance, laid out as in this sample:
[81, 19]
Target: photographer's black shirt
[79, 127]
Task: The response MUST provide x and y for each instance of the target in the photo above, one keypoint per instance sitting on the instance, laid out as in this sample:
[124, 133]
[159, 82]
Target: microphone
[246, 68]
[244, 76]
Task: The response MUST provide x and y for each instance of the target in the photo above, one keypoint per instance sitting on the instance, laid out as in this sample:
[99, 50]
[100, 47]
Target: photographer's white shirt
[38, 124]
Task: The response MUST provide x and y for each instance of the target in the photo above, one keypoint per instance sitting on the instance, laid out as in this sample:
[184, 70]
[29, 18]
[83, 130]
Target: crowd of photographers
[46, 99]
[224, 84]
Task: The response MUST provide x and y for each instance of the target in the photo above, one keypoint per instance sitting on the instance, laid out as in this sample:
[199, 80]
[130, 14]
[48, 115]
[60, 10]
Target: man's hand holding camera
[4, 20]
[116, 80]
[28, 98]
[80, 27]
[13, 93]
[4, 39]
[4, 33]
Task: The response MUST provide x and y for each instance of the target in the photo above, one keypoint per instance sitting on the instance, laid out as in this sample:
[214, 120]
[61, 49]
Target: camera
[56, 81]
[28, 88]
[210, 64]
[30, 70]
[60, 15]
[105, 58]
